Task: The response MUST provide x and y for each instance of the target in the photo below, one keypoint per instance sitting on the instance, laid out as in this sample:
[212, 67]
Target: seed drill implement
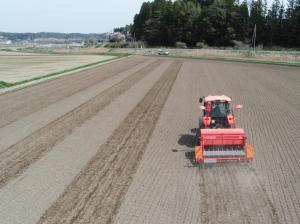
[219, 140]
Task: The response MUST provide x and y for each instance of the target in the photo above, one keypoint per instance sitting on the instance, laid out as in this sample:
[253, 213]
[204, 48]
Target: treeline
[32, 36]
[217, 22]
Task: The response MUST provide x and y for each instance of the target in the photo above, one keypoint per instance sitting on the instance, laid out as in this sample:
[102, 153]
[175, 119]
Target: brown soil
[142, 171]
[97, 191]
[15, 159]
[169, 188]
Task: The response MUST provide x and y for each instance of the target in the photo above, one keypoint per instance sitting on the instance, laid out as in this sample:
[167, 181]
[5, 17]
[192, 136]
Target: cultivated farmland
[113, 144]
[17, 66]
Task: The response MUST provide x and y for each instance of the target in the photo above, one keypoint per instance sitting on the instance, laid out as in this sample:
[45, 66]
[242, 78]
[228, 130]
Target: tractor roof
[222, 98]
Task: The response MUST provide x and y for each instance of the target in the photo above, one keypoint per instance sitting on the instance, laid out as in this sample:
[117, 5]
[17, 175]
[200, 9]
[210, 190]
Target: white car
[163, 52]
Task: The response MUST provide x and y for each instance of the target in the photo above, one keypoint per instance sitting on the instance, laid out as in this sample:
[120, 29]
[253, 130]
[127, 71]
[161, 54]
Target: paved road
[113, 144]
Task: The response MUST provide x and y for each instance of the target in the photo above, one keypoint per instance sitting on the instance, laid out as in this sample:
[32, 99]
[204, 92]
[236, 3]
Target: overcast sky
[83, 16]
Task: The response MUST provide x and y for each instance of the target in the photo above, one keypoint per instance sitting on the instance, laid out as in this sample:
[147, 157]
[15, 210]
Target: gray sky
[88, 16]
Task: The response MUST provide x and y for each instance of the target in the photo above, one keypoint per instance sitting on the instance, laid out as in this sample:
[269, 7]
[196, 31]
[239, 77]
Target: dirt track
[113, 145]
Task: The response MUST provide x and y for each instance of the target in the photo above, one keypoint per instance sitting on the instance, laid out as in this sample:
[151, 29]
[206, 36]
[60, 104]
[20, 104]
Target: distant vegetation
[196, 23]
[46, 35]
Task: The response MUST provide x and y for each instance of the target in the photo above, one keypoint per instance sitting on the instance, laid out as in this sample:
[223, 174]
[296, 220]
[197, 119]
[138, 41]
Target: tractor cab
[217, 109]
[217, 112]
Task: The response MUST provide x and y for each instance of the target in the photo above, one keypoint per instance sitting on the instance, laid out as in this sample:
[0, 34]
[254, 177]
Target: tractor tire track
[39, 96]
[277, 143]
[97, 192]
[244, 200]
[15, 159]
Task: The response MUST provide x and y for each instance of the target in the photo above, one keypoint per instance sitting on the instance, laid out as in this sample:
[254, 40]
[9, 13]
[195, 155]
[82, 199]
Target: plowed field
[113, 144]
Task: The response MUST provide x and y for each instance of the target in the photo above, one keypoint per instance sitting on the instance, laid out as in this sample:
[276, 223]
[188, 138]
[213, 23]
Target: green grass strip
[115, 54]
[248, 60]
[292, 53]
[4, 84]
[8, 84]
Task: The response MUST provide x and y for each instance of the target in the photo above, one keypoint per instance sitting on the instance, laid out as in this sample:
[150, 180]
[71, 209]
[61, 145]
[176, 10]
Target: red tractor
[219, 139]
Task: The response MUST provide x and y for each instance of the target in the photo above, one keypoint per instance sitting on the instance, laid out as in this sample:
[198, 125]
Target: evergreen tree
[257, 17]
[244, 20]
[140, 20]
[293, 23]
[217, 22]
[273, 25]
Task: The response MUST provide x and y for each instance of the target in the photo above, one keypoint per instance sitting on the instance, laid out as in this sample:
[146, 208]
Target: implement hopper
[223, 145]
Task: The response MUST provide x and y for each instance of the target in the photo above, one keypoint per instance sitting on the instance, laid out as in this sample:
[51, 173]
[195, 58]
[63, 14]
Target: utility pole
[134, 41]
[66, 41]
[253, 42]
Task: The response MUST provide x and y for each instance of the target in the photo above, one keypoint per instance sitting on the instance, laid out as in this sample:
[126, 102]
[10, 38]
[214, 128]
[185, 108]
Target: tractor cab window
[220, 109]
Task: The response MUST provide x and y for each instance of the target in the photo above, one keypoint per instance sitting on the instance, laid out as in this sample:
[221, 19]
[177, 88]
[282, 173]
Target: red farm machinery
[219, 140]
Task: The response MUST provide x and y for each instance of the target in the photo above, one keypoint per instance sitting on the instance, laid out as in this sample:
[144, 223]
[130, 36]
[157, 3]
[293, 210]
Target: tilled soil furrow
[25, 126]
[16, 159]
[245, 201]
[39, 96]
[96, 193]
[277, 148]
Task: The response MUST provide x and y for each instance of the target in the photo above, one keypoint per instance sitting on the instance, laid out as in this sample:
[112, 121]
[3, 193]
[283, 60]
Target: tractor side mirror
[200, 100]
[238, 106]
[202, 107]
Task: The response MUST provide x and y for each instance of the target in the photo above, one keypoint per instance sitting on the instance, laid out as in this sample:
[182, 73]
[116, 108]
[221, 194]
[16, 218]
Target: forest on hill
[217, 23]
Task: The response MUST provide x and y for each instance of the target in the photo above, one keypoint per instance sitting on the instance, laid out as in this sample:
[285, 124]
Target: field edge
[4, 85]
[232, 59]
